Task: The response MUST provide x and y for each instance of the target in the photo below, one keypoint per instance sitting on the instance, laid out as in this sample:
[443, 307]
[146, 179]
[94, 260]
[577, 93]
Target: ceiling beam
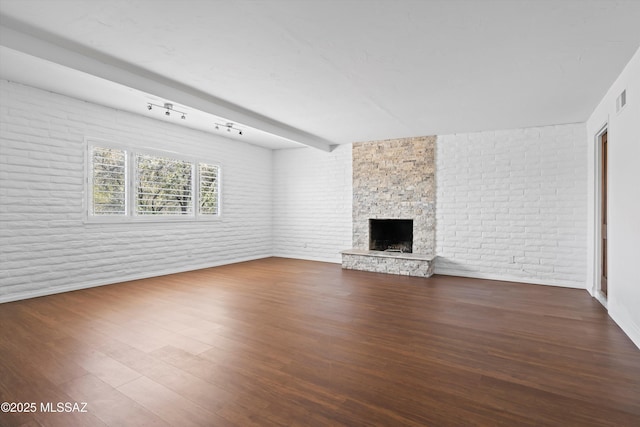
[17, 36]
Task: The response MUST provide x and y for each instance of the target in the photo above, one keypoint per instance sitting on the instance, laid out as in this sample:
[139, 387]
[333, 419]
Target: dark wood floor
[290, 342]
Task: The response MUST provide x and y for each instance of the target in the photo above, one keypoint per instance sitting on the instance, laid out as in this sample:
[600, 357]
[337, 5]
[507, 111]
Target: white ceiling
[343, 71]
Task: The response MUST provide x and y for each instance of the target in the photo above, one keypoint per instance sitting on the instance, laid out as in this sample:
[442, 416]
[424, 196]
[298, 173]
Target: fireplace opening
[391, 235]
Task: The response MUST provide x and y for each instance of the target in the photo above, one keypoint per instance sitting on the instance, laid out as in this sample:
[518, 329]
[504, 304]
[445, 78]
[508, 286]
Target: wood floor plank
[278, 342]
[168, 405]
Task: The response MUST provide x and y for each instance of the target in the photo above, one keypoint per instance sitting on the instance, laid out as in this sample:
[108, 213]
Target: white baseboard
[60, 289]
[308, 258]
[532, 281]
[622, 319]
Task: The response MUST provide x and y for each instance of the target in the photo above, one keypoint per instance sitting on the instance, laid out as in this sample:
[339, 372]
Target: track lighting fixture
[229, 127]
[168, 107]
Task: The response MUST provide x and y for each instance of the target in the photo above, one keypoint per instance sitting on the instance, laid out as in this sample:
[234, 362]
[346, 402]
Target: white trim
[85, 181]
[60, 289]
[308, 258]
[602, 299]
[142, 219]
[594, 288]
[631, 329]
[501, 278]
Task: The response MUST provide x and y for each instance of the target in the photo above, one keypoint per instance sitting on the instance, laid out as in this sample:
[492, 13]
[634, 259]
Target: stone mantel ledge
[386, 254]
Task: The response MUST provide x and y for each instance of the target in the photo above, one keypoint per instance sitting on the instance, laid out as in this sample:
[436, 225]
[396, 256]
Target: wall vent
[621, 101]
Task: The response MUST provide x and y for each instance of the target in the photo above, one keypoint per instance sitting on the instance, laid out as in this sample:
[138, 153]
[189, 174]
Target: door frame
[597, 293]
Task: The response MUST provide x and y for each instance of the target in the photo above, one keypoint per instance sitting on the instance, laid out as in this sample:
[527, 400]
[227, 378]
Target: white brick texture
[45, 245]
[312, 203]
[512, 205]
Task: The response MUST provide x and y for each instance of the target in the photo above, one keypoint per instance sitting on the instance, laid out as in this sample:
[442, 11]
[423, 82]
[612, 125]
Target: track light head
[229, 126]
[168, 107]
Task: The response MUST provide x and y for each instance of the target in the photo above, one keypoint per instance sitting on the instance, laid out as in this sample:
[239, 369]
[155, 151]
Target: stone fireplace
[393, 207]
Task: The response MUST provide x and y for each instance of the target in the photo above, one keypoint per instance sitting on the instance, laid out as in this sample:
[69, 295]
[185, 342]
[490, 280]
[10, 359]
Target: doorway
[603, 213]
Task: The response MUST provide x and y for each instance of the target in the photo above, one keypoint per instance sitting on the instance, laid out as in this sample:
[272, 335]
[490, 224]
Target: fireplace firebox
[391, 235]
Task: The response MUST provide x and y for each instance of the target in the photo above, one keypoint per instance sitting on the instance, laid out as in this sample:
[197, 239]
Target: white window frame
[131, 185]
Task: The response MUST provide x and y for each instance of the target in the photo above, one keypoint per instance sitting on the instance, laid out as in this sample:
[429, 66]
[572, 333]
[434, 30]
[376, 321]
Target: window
[208, 195]
[109, 178]
[163, 186]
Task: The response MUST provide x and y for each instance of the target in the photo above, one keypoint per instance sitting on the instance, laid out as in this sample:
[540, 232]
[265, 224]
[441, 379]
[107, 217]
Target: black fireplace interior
[392, 235]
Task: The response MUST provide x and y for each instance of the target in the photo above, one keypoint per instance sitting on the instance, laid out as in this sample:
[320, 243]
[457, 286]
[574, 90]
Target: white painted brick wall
[512, 204]
[312, 193]
[45, 245]
[504, 194]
